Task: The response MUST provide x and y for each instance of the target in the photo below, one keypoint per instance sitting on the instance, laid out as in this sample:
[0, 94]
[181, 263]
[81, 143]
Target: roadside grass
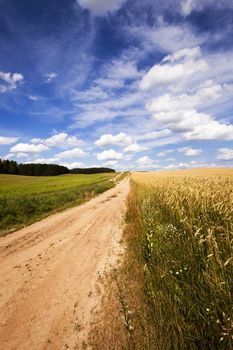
[25, 199]
[123, 175]
[174, 289]
[124, 321]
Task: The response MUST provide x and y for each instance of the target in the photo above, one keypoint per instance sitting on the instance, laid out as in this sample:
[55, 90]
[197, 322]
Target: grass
[174, 289]
[25, 199]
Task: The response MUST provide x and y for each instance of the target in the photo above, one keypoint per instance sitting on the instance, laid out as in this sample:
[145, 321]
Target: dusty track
[49, 273]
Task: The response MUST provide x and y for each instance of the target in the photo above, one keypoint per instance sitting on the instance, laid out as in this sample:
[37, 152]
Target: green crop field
[24, 199]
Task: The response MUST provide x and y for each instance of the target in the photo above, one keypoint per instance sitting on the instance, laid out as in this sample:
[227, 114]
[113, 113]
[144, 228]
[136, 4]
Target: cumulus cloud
[195, 125]
[164, 153]
[28, 148]
[62, 140]
[72, 165]
[210, 130]
[110, 163]
[55, 160]
[134, 148]
[189, 165]
[50, 77]
[207, 92]
[176, 68]
[101, 7]
[17, 155]
[179, 113]
[51, 160]
[109, 155]
[146, 163]
[225, 154]
[120, 139]
[72, 153]
[10, 81]
[190, 152]
[8, 140]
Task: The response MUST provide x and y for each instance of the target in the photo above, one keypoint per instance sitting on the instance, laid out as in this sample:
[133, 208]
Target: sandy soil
[50, 273]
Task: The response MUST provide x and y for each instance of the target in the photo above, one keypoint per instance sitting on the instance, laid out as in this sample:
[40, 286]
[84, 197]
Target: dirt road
[50, 273]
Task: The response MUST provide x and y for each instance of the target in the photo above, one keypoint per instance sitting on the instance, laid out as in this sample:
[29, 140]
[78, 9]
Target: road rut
[50, 272]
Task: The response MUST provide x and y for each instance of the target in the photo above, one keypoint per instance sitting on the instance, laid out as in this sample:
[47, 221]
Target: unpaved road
[50, 273]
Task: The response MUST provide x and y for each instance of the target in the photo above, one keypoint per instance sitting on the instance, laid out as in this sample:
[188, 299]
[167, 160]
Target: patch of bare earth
[50, 273]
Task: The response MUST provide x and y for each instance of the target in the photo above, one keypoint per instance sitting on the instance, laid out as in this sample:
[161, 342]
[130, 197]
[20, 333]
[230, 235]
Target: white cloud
[179, 113]
[109, 155]
[120, 139]
[8, 140]
[190, 152]
[110, 83]
[51, 160]
[225, 154]
[73, 153]
[187, 6]
[209, 129]
[134, 148]
[166, 38]
[124, 105]
[189, 165]
[122, 69]
[13, 155]
[50, 77]
[10, 80]
[146, 163]
[176, 69]
[94, 93]
[62, 140]
[207, 92]
[164, 153]
[111, 163]
[101, 7]
[33, 97]
[186, 53]
[155, 134]
[72, 165]
[170, 159]
[28, 148]
[54, 160]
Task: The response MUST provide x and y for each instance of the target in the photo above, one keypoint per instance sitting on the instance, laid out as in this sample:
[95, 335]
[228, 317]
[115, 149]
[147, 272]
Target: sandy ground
[50, 273]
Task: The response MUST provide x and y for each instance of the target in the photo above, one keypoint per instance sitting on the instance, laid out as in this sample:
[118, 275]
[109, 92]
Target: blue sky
[126, 84]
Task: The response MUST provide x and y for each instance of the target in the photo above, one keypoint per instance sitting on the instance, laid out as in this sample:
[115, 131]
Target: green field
[24, 199]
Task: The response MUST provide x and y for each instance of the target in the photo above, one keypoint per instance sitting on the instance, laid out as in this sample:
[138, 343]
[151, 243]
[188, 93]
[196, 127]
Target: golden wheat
[187, 228]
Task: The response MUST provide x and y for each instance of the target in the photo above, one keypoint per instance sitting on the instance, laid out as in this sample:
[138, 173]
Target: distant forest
[91, 170]
[32, 169]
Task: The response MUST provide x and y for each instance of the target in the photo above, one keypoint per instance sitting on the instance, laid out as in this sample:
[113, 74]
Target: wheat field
[186, 241]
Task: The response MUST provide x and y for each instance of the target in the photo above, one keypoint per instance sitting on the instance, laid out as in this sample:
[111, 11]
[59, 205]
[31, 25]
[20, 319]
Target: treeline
[12, 167]
[32, 169]
[91, 170]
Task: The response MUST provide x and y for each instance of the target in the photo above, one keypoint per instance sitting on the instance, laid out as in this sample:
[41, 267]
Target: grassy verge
[124, 322]
[22, 205]
[123, 175]
[174, 290]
